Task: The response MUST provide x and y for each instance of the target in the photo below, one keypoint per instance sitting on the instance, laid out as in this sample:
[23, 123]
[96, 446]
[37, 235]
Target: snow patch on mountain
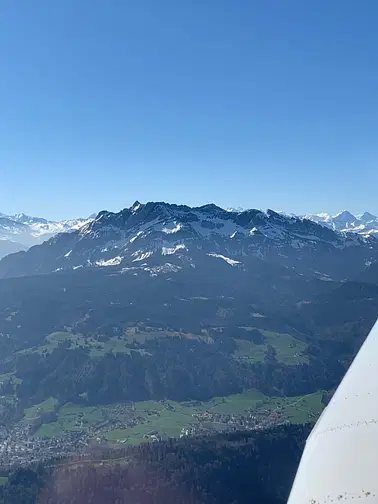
[115, 261]
[141, 256]
[172, 230]
[232, 262]
[165, 268]
[132, 240]
[172, 250]
[238, 209]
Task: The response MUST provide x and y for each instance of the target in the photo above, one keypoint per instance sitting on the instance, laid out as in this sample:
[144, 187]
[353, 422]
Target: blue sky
[257, 103]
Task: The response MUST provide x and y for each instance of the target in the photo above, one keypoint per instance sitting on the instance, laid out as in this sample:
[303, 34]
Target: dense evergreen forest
[198, 363]
[236, 468]
[178, 370]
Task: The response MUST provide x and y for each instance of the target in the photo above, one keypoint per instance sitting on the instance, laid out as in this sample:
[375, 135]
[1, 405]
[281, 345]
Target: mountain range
[20, 231]
[161, 238]
[345, 221]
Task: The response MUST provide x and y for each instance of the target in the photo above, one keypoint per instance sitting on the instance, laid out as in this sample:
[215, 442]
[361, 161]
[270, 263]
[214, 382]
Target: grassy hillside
[173, 419]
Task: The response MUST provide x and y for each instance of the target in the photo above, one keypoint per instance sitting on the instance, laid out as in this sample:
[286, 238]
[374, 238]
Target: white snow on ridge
[235, 209]
[345, 221]
[141, 257]
[132, 240]
[110, 262]
[175, 229]
[136, 207]
[232, 262]
[320, 217]
[172, 250]
[41, 228]
[165, 268]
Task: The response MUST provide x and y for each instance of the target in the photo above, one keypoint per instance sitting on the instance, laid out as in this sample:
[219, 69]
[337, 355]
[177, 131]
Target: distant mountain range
[365, 223]
[158, 237]
[20, 231]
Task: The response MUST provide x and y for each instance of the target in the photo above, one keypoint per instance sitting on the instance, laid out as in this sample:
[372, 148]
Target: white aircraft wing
[340, 461]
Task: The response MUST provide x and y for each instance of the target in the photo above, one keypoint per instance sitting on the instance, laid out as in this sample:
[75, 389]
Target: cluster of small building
[19, 447]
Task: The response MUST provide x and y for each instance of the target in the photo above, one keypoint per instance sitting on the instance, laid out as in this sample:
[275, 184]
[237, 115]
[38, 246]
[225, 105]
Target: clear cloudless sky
[252, 103]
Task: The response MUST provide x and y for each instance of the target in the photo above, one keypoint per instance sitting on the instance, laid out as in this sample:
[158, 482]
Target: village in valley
[50, 430]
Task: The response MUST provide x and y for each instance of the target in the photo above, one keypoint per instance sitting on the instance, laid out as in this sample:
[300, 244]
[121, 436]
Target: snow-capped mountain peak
[136, 206]
[21, 231]
[365, 223]
[344, 216]
[27, 219]
[367, 217]
[237, 209]
[161, 238]
[319, 217]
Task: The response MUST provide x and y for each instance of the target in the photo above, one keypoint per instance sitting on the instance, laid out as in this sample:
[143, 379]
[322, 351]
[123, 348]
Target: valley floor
[50, 431]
